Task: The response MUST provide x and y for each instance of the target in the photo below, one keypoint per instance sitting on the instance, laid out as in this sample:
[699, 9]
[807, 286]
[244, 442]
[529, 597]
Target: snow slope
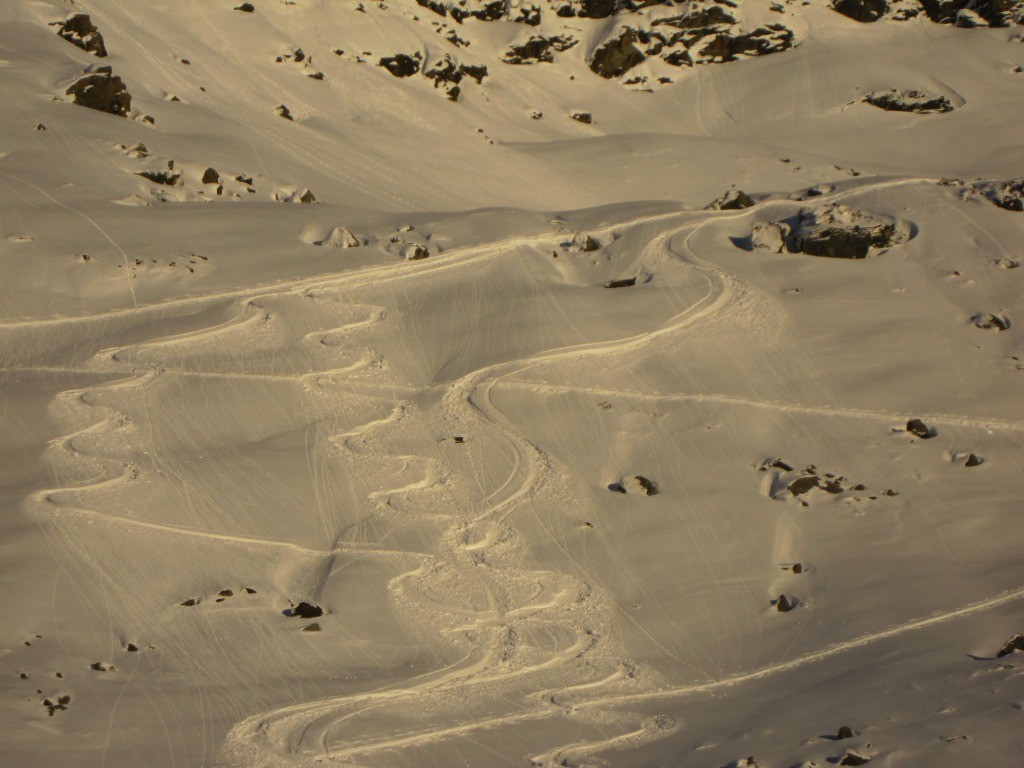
[213, 412]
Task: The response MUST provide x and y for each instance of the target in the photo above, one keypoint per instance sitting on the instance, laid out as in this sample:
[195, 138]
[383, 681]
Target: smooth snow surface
[407, 359]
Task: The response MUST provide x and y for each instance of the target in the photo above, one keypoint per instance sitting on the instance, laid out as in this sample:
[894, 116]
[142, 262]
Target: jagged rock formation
[538, 49]
[962, 13]
[103, 91]
[79, 30]
[617, 56]
[402, 64]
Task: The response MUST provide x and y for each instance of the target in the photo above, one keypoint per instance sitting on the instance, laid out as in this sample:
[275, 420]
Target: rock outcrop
[102, 91]
[79, 30]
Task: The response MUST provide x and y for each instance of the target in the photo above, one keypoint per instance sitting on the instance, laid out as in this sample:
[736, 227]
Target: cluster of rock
[962, 13]
[835, 231]
[1007, 194]
[446, 72]
[99, 88]
[784, 482]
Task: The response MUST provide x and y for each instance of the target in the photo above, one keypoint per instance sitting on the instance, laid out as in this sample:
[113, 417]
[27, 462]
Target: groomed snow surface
[345, 422]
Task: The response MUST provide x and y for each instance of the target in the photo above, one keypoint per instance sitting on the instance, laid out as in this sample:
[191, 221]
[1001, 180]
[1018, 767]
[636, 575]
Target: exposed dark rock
[245, 8]
[529, 15]
[635, 485]
[783, 604]
[131, 648]
[1015, 643]
[997, 13]
[617, 56]
[79, 30]
[226, 593]
[732, 200]
[305, 610]
[844, 732]
[837, 231]
[726, 46]
[854, 758]
[918, 428]
[434, 5]
[582, 117]
[102, 91]
[538, 49]
[862, 10]
[284, 112]
[585, 242]
[189, 603]
[797, 568]
[700, 18]
[802, 485]
[167, 178]
[990, 322]
[974, 461]
[59, 705]
[908, 101]
[401, 64]
[625, 282]
[210, 176]
[596, 9]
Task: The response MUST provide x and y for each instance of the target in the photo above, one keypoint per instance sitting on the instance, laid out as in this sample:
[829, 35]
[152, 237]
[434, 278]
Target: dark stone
[783, 604]
[80, 31]
[625, 282]
[726, 46]
[434, 5]
[305, 610]
[802, 485]
[210, 176]
[226, 593]
[862, 10]
[416, 253]
[596, 9]
[918, 428]
[59, 706]
[284, 112]
[249, 590]
[908, 101]
[617, 56]
[998, 13]
[401, 65]
[974, 461]
[844, 732]
[476, 71]
[780, 464]
[702, 18]
[1016, 643]
[582, 117]
[167, 178]
[190, 602]
[529, 15]
[797, 568]
[538, 49]
[102, 91]
[636, 485]
[131, 648]
[839, 232]
[586, 243]
[245, 8]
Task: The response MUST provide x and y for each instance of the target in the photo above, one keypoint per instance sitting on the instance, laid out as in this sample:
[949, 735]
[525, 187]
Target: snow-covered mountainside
[511, 383]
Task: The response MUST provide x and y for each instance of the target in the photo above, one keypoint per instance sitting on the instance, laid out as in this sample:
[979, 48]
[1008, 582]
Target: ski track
[290, 734]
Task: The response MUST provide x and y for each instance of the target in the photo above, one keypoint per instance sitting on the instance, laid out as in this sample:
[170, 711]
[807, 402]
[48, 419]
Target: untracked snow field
[384, 385]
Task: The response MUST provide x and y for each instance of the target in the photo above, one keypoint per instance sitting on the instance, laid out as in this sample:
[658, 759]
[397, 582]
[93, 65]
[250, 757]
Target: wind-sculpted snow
[566, 383]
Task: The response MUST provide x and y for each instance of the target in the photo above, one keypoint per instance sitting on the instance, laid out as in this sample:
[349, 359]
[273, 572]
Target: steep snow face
[511, 383]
